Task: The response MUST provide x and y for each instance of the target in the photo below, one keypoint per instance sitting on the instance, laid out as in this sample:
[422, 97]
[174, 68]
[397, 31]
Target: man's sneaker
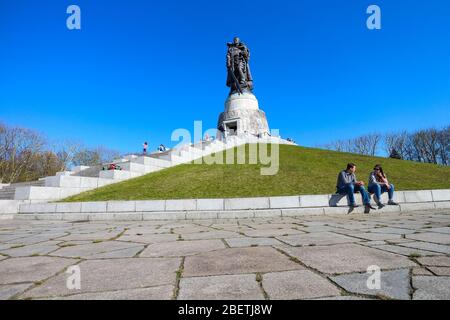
[380, 205]
[392, 203]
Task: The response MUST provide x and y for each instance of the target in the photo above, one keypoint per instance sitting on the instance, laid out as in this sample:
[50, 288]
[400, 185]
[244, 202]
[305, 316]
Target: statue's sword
[238, 86]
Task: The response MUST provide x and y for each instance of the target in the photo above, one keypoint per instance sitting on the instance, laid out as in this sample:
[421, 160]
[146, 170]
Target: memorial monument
[242, 115]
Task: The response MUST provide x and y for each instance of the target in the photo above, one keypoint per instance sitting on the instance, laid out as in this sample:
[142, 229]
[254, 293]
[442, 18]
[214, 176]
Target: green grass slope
[301, 171]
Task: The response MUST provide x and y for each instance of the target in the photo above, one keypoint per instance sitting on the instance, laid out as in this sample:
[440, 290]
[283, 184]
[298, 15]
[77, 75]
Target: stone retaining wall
[226, 208]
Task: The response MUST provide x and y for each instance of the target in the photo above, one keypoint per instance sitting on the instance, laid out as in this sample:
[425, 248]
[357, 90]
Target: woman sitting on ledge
[378, 184]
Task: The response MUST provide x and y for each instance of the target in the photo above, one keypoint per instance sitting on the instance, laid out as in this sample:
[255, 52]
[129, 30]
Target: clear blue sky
[139, 69]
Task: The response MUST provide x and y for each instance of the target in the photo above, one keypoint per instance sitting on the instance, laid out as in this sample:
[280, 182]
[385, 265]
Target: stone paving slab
[318, 238]
[439, 238]
[440, 271]
[436, 261]
[148, 238]
[431, 288]
[182, 248]
[236, 258]
[376, 236]
[347, 258]
[427, 246]
[406, 251]
[238, 261]
[153, 293]
[251, 242]
[298, 284]
[94, 250]
[109, 275]
[10, 290]
[34, 249]
[394, 284]
[225, 287]
[210, 235]
[31, 269]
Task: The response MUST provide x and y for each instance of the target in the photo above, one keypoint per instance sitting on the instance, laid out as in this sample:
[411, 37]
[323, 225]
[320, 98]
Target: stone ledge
[240, 207]
[224, 214]
[247, 203]
[284, 202]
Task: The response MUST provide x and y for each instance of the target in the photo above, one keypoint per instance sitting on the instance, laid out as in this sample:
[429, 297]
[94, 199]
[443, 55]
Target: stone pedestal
[242, 116]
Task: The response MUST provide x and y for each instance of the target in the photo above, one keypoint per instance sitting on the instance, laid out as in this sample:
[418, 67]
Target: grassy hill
[302, 171]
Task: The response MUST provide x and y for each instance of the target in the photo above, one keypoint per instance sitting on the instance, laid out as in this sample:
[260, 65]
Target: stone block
[67, 192]
[135, 216]
[267, 213]
[247, 203]
[442, 205]
[75, 216]
[284, 202]
[418, 196]
[342, 210]
[115, 174]
[90, 207]
[314, 201]
[104, 182]
[302, 212]
[199, 215]
[134, 167]
[49, 216]
[237, 214]
[38, 208]
[148, 161]
[181, 205]
[441, 195]
[121, 206]
[89, 182]
[25, 216]
[37, 193]
[9, 206]
[405, 207]
[210, 204]
[63, 181]
[164, 216]
[101, 216]
[150, 205]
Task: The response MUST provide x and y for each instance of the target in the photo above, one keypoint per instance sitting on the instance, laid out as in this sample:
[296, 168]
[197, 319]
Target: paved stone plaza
[317, 257]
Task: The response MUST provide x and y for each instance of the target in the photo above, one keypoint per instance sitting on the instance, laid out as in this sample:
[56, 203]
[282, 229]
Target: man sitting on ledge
[348, 185]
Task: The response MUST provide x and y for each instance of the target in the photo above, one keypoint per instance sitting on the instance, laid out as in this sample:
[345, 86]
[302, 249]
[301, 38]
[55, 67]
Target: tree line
[26, 155]
[426, 145]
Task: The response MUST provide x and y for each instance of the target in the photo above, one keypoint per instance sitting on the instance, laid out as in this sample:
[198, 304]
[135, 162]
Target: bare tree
[443, 142]
[66, 151]
[18, 148]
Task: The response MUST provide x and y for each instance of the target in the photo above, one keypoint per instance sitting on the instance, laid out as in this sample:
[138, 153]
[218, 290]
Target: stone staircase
[8, 192]
[83, 178]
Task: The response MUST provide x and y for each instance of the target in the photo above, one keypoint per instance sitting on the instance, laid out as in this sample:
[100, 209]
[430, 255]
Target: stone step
[149, 161]
[45, 193]
[77, 182]
[119, 174]
[140, 168]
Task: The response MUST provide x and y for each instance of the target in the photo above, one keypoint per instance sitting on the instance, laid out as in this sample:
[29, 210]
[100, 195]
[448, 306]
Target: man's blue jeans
[379, 190]
[350, 191]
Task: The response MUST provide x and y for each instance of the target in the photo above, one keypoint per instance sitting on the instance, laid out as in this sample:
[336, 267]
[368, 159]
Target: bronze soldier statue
[239, 77]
